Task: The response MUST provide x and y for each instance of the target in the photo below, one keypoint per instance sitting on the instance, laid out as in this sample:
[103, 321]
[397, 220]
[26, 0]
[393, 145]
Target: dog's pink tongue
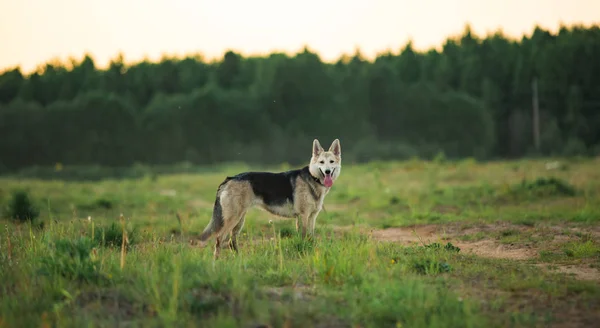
[328, 182]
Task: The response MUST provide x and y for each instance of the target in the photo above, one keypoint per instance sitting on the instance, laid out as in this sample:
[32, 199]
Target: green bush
[71, 259]
[21, 207]
[112, 236]
[543, 187]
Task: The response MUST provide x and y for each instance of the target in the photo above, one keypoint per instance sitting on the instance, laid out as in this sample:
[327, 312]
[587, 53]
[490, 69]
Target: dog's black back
[273, 188]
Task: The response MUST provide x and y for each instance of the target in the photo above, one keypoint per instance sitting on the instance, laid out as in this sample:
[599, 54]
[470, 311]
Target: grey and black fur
[295, 194]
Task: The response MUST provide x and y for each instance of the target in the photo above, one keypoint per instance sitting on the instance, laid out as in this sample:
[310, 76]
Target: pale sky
[34, 31]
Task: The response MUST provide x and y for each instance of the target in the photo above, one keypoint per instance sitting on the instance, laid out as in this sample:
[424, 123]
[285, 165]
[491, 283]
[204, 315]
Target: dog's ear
[317, 149]
[335, 148]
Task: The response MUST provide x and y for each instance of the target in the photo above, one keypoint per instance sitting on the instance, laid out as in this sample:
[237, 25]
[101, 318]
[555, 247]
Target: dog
[297, 194]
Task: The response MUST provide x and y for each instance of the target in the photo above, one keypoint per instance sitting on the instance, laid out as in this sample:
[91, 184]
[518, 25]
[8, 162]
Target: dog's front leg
[305, 223]
[312, 221]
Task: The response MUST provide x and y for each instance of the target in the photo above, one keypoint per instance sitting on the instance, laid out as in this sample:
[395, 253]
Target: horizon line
[68, 60]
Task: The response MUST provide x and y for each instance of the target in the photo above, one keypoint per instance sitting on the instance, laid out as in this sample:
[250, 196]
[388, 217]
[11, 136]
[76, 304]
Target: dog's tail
[216, 222]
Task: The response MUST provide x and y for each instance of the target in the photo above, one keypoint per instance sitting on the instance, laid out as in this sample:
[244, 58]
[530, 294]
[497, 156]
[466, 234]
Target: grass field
[400, 244]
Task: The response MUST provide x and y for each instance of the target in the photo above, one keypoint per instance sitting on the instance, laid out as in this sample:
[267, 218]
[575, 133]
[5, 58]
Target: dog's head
[326, 165]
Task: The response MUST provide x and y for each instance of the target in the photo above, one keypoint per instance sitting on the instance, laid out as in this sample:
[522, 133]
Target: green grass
[68, 268]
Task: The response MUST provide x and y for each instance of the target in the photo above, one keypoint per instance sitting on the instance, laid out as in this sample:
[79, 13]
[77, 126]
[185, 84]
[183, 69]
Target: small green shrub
[104, 203]
[298, 246]
[431, 267]
[21, 208]
[112, 236]
[448, 247]
[100, 203]
[552, 186]
[542, 188]
[71, 259]
[286, 232]
[580, 250]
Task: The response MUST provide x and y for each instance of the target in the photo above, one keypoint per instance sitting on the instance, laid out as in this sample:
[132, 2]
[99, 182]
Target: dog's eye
[331, 162]
[322, 162]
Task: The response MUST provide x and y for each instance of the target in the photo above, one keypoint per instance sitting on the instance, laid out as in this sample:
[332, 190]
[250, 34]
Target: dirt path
[432, 233]
[488, 247]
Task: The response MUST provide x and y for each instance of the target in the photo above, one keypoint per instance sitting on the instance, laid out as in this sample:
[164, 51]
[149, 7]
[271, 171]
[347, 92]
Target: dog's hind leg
[220, 238]
[217, 247]
[233, 217]
[234, 202]
[236, 231]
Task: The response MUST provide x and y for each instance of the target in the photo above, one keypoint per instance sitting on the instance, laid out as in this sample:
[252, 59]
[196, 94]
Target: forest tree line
[471, 98]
